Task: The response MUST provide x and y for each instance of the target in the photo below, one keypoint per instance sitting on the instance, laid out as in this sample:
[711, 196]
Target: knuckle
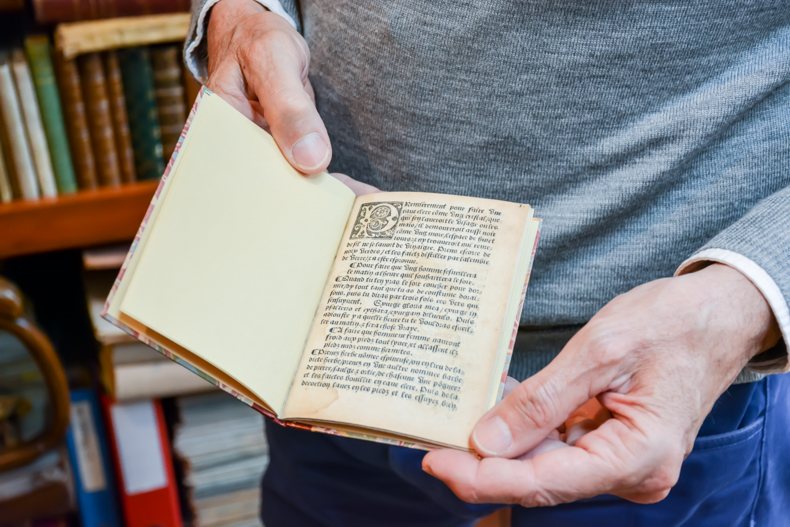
[467, 493]
[537, 406]
[539, 498]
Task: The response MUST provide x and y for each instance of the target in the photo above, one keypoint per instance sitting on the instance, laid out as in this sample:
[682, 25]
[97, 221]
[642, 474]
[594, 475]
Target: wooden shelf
[80, 220]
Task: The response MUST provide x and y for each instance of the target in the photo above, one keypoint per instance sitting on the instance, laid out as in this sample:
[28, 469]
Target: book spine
[94, 89]
[49, 11]
[6, 193]
[77, 123]
[138, 86]
[169, 90]
[15, 136]
[146, 483]
[123, 138]
[89, 455]
[39, 55]
[33, 125]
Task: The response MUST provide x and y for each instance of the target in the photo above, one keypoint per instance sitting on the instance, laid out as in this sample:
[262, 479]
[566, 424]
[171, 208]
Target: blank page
[234, 262]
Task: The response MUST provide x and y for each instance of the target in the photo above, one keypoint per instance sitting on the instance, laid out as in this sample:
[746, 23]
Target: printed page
[237, 252]
[411, 324]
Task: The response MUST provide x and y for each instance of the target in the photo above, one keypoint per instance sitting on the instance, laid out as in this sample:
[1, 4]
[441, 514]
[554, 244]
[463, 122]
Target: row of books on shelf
[100, 120]
[150, 444]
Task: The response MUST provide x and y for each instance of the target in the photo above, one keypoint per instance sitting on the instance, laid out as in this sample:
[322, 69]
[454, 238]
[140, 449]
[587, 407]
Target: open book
[389, 316]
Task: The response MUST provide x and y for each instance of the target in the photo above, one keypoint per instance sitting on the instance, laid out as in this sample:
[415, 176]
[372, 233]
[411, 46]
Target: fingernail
[426, 467]
[310, 151]
[492, 436]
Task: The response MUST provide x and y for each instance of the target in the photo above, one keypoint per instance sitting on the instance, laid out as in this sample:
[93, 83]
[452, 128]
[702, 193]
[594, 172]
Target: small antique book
[389, 316]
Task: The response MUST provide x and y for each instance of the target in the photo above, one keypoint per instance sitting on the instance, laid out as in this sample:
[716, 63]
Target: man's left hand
[628, 394]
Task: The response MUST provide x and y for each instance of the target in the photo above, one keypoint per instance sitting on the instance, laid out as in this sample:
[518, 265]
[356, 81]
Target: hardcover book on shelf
[14, 135]
[100, 123]
[76, 119]
[90, 460]
[389, 316]
[33, 126]
[138, 87]
[48, 11]
[144, 465]
[169, 90]
[123, 139]
[39, 55]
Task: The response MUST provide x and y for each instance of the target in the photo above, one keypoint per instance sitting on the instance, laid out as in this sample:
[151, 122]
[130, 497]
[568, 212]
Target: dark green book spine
[138, 87]
[39, 56]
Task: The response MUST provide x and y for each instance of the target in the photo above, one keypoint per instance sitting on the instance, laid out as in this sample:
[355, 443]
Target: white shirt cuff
[756, 275]
[200, 31]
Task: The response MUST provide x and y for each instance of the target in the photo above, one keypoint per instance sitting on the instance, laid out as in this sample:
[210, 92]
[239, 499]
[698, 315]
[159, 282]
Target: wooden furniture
[14, 321]
[79, 220]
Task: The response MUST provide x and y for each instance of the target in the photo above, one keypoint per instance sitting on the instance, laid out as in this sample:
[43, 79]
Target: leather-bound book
[169, 89]
[39, 56]
[77, 123]
[97, 103]
[138, 87]
[48, 11]
[123, 139]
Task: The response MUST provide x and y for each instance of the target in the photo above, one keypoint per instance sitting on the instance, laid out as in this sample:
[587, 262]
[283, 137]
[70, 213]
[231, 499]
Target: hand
[259, 63]
[637, 382]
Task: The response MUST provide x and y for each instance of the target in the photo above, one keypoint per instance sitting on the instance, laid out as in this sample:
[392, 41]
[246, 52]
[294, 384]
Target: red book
[141, 451]
[48, 11]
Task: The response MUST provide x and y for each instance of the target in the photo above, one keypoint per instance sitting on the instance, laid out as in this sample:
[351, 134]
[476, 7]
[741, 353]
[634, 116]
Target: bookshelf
[78, 220]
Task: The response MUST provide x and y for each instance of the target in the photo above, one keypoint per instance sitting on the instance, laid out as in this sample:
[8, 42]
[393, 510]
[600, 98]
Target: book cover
[91, 465]
[394, 324]
[15, 135]
[141, 452]
[123, 138]
[76, 119]
[33, 124]
[169, 91]
[100, 123]
[138, 87]
[48, 11]
[38, 52]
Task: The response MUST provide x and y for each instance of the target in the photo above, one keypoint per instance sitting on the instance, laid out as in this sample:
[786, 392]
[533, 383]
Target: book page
[412, 323]
[237, 252]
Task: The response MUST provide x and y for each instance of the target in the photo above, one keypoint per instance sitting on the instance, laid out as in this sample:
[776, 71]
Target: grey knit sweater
[641, 132]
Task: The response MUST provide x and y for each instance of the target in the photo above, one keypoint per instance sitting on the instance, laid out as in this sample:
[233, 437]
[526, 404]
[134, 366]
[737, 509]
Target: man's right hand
[259, 63]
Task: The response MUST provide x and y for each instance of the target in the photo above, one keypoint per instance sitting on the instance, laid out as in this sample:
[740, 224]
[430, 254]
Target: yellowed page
[233, 265]
[409, 330]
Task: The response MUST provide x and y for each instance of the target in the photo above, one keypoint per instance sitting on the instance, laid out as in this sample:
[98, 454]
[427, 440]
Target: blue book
[90, 458]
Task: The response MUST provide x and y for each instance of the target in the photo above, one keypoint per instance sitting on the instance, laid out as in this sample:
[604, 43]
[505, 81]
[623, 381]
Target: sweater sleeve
[758, 245]
[195, 52]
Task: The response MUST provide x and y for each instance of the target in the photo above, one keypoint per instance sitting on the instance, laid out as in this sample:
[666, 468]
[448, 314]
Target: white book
[35, 127]
[20, 154]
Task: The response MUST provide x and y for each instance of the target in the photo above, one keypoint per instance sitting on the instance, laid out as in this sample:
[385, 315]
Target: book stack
[95, 110]
[224, 453]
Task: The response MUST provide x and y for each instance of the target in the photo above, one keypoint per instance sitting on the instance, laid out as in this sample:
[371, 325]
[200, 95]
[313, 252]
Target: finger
[510, 385]
[543, 402]
[227, 81]
[274, 69]
[608, 463]
[358, 187]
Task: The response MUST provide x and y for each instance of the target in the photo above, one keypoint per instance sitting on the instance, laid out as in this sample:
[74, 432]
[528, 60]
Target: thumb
[536, 407]
[276, 71]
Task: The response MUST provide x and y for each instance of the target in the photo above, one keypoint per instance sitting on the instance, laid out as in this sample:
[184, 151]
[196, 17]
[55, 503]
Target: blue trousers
[738, 474]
